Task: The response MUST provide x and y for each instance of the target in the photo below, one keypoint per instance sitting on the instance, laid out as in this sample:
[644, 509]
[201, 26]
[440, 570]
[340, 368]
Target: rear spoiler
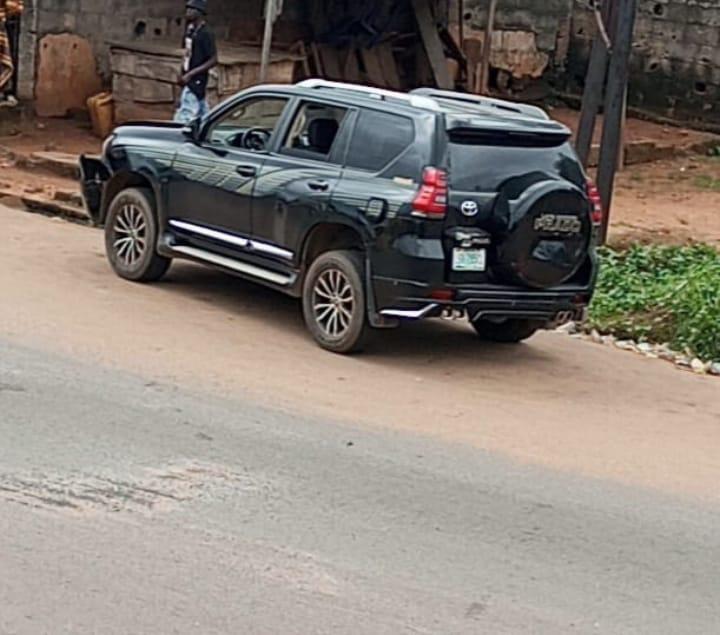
[489, 132]
[499, 106]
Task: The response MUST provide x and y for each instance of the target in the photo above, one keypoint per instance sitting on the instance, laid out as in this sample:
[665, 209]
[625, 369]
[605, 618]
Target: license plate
[469, 259]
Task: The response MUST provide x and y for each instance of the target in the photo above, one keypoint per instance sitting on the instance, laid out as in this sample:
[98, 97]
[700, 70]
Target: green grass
[707, 182]
[661, 294]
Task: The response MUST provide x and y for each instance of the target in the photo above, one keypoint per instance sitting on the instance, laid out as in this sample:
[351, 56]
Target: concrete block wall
[545, 19]
[101, 21]
[676, 56]
[675, 67]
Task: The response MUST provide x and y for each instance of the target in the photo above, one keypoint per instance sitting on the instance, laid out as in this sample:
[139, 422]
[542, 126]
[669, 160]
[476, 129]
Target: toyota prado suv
[373, 207]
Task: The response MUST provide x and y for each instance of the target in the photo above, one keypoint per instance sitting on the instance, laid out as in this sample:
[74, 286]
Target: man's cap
[200, 5]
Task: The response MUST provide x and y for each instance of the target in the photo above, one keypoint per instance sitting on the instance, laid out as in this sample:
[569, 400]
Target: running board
[273, 277]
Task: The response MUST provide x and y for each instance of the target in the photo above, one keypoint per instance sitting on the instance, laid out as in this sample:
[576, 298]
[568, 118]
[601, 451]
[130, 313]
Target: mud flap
[375, 319]
[93, 174]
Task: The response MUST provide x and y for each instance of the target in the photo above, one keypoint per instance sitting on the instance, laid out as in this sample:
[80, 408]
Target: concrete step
[66, 201]
[58, 163]
[53, 207]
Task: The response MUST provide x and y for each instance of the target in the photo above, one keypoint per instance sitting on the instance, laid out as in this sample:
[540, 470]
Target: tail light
[431, 200]
[596, 212]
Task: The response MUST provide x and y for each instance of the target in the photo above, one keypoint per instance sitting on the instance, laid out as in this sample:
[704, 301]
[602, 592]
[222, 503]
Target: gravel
[682, 360]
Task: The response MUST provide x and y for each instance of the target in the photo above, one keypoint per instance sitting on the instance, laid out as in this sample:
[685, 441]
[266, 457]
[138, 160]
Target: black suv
[370, 205]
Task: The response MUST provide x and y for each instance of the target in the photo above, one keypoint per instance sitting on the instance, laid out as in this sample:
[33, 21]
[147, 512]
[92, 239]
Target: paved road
[180, 459]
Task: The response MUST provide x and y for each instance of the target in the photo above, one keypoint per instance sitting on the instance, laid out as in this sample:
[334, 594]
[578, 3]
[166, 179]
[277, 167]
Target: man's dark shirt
[199, 48]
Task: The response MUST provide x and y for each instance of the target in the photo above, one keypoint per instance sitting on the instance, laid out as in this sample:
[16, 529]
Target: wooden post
[614, 105]
[270, 15]
[461, 25]
[433, 44]
[594, 85]
[487, 49]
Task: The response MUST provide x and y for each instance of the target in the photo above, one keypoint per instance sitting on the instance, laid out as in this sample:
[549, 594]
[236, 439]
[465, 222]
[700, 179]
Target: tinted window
[314, 131]
[379, 138]
[262, 114]
[485, 168]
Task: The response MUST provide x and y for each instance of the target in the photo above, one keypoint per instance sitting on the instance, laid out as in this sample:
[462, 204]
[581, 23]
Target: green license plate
[469, 259]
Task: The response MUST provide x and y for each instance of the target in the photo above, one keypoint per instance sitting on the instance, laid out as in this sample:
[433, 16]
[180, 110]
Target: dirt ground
[557, 401]
[639, 130]
[671, 201]
[61, 135]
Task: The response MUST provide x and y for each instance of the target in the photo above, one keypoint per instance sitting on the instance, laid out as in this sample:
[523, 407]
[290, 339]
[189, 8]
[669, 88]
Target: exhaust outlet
[452, 314]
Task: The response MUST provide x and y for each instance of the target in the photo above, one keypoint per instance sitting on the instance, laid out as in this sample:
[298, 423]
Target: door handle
[319, 186]
[246, 170]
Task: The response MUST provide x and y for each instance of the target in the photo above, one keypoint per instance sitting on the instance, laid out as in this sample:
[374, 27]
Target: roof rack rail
[509, 107]
[416, 100]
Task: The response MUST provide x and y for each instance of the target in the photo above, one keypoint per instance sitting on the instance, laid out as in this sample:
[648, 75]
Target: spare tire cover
[546, 236]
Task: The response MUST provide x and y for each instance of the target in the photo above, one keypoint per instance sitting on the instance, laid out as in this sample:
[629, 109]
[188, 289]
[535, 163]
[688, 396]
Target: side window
[314, 131]
[250, 125]
[379, 139]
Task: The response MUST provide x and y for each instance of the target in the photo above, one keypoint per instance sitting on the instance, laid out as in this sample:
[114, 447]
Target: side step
[253, 271]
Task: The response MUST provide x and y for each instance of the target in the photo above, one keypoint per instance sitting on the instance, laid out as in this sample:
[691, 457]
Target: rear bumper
[413, 301]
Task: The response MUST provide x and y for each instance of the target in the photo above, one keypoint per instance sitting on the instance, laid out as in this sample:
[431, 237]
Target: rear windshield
[483, 167]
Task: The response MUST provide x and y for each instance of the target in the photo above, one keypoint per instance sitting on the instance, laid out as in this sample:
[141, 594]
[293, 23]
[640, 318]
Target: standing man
[200, 55]
[8, 9]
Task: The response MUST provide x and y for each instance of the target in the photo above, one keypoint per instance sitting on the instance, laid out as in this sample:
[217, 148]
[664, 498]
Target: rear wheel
[510, 331]
[334, 301]
[131, 235]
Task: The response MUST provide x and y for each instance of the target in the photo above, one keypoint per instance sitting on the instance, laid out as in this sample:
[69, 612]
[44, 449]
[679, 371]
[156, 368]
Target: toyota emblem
[469, 208]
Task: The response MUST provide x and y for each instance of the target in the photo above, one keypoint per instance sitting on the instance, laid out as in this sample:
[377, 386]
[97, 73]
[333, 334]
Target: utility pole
[595, 79]
[615, 105]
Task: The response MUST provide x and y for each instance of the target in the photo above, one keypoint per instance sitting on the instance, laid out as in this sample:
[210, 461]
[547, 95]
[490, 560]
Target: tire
[131, 235]
[334, 302]
[512, 331]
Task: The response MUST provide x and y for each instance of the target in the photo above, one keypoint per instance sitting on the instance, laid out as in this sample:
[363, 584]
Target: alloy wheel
[333, 303]
[130, 235]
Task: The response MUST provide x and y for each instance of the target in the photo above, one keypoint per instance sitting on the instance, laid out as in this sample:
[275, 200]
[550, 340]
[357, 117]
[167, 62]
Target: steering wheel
[256, 139]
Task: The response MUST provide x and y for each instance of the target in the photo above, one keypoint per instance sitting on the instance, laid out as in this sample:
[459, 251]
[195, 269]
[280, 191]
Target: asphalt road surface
[180, 458]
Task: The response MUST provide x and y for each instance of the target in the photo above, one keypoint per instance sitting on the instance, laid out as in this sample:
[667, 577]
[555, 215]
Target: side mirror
[192, 130]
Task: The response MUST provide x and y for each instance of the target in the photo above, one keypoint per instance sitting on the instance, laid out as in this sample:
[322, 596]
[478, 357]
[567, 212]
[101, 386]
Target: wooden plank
[317, 60]
[389, 66]
[373, 67]
[143, 91]
[129, 111]
[351, 68]
[331, 63]
[299, 46]
[432, 43]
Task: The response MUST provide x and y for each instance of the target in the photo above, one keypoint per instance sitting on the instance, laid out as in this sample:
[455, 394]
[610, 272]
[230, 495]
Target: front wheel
[131, 235]
[334, 301]
[510, 331]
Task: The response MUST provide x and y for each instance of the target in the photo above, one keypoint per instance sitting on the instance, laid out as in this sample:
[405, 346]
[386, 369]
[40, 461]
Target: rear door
[501, 184]
[294, 190]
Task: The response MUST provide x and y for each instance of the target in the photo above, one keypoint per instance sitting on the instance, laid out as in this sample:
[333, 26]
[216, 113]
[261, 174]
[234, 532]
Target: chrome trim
[233, 239]
[409, 314]
[241, 267]
[418, 101]
[272, 250]
[211, 233]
